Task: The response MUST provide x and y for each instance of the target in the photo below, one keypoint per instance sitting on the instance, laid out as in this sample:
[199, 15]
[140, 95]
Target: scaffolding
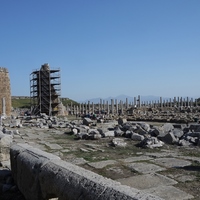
[45, 91]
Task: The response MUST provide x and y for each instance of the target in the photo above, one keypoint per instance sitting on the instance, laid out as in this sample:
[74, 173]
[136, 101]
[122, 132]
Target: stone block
[40, 175]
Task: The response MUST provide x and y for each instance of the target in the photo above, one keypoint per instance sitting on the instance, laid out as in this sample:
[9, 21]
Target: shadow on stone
[190, 168]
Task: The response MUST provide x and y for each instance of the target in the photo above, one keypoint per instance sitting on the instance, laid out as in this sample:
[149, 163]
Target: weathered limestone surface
[50, 177]
[5, 94]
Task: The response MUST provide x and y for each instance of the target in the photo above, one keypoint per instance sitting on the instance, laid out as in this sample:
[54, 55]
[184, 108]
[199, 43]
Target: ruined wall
[5, 91]
[42, 176]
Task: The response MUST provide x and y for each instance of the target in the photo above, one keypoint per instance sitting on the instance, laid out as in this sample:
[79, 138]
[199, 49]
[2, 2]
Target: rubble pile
[172, 115]
[119, 130]
[146, 134]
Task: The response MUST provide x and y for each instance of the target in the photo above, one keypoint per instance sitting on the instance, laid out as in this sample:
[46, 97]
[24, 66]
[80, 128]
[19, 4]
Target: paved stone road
[146, 165]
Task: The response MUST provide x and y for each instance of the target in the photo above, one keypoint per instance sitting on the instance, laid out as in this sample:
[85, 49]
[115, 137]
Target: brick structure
[5, 93]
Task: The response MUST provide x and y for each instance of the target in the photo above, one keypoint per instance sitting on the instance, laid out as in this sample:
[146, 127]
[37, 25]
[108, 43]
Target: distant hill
[24, 101]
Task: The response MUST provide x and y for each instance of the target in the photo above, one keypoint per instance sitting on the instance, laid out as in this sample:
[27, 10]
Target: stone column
[191, 102]
[135, 102]
[112, 106]
[80, 109]
[178, 102]
[174, 101]
[164, 103]
[77, 110]
[74, 109]
[188, 101]
[88, 106]
[86, 111]
[104, 106]
[139, 103]
[68, 109]
[126, 103]
[93, 108]
[181, 101]
[121, 105]
[101, 108]
[196, 103]
[108, 109]
[117, 110]
[71, 107]
[161, 103]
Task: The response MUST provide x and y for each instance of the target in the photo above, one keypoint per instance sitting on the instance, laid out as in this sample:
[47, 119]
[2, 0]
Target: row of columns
[115, 107]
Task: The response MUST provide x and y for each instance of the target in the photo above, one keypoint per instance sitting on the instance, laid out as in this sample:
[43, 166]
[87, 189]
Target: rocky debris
[137, 137]
[88, 129]
[167, 127]
[87, 121]
[151, 142]
[5, 142]
[119, 142]
[151, 136]
[118, 132]
[166, 114]
[109, 134]
[8, 189]
[169, 138]
[122, 121]
[148, 136]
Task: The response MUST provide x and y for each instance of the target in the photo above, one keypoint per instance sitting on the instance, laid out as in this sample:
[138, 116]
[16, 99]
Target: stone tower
[5, 93]
[45, 91]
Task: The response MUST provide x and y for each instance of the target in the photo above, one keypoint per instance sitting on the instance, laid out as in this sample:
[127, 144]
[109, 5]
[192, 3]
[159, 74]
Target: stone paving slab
[162, 154]
[53, 146]
[169, 193]
[40, 146]
[196, 159]
[94, 146]
[102, 164]
[19, 140]
[184, 178]
[65, 150]
[171, 162]
[31, 136]
[145, 168]
[147, 181]
[136, 158]
[77, 161]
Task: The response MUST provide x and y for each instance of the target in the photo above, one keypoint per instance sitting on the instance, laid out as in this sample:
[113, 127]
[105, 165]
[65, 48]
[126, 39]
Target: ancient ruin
[45, 91]
[153, 159]
[5, 93]
[106, 150]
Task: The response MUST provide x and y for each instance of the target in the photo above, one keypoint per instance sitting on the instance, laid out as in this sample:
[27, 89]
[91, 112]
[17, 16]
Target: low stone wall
[40, 175]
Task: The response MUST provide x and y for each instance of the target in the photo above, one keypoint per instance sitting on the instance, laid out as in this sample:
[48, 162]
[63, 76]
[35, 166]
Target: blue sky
[104, 47]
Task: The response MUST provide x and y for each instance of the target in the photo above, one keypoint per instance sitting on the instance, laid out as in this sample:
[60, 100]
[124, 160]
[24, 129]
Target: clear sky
[104, 47]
